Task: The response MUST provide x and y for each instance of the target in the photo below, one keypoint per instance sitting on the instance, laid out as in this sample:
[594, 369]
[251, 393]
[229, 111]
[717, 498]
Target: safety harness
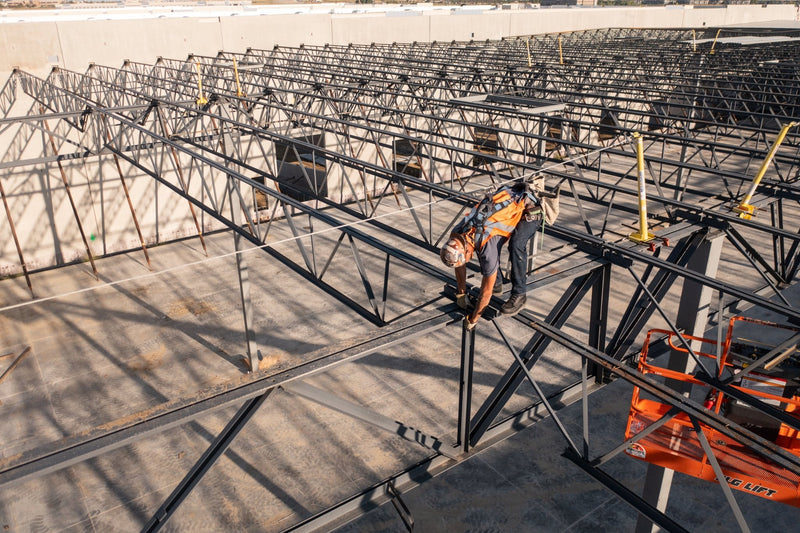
[495, 214]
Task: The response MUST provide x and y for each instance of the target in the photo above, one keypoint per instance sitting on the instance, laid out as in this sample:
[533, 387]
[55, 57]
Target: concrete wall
[37, 41]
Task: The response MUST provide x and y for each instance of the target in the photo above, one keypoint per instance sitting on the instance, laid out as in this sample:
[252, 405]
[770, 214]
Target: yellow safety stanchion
[560, 51]
[528, 46]
[744, 209]
[239, 91]
[715, 41]
[694, 41]
[201, 100]
[643, 235]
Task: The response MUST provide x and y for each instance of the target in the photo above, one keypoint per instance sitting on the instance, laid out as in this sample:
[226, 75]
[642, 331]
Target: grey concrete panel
[469, 24]
[266, 31]
[109, 42]
[29, 46]
[380, 28]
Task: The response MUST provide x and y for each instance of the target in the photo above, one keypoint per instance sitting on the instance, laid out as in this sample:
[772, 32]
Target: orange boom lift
[774, 381]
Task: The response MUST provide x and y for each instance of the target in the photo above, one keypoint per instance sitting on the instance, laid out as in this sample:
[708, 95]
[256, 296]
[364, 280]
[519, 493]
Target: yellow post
[643, 235]
[528, 46]
[201, 100]
[694, 41]
[239, 92]
[744, 209]
[715, 41]
[560, 51]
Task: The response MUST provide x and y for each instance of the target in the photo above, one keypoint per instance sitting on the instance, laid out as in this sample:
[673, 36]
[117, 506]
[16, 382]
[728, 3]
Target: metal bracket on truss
[400, 506]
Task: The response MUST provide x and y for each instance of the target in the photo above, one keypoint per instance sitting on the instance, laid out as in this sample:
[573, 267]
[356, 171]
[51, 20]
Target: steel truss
[384, 147]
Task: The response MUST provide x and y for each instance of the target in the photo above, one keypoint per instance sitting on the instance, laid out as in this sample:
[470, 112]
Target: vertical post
[130, 202]
[179, 173]
[252, 358]
[465, 387]
[16, 238]
[692, 318]
[643, 235]
[744, 209]
[598, 320]
[71, 199]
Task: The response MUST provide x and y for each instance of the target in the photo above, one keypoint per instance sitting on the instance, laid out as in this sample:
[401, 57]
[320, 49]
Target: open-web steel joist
[349, 165]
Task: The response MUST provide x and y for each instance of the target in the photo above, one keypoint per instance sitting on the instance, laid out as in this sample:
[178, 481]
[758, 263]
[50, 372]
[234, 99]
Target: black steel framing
[408, 123]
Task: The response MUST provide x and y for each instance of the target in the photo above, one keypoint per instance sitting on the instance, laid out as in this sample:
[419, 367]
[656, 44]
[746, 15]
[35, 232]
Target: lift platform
[768, 371]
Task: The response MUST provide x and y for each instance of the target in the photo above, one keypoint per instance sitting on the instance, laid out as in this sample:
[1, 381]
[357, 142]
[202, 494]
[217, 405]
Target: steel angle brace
[521, 365]
[92, 443]
[531, 353]
[221, 443]
[764, 270]
[327, 399]
[726, 490]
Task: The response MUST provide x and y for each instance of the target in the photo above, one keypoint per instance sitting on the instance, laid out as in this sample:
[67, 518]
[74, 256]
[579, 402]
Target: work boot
[514, 304]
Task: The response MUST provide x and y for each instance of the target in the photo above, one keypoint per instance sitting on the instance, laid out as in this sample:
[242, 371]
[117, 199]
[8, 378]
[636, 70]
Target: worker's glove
[469, 326]
[463, 301]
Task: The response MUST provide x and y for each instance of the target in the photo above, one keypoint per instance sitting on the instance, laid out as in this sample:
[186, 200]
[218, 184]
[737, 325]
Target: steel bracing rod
[464, 422]
[331, 401]
[667, 395]
[17, 245]
[75, 212]
[522, 365]
[654, 303]
[220, 444]
[726, 490]
[757, 262]
[92, 443]
[533, 350]
[638, 312]
[604, 458]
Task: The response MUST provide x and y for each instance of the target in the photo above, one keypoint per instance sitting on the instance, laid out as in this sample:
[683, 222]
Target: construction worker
[485, 229]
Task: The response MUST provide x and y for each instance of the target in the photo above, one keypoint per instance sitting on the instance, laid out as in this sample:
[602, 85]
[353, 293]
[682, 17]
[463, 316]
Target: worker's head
[456, 251]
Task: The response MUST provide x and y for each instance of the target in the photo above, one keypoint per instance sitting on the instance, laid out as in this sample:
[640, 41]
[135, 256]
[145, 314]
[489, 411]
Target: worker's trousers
[518, 253]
